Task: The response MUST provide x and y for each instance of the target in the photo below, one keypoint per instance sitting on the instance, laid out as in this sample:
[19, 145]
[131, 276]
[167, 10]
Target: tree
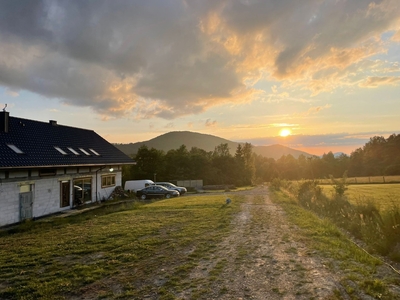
[249, 168]
[224, 164]
[148, 162]
[177, 163]
[288, 167]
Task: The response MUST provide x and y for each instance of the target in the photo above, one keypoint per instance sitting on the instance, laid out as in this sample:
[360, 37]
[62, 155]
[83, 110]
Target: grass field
[383, 195]
[366, 180]
[111, 249]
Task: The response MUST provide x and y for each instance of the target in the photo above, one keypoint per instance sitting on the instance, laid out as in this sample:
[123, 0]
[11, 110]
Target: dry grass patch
[127, 251]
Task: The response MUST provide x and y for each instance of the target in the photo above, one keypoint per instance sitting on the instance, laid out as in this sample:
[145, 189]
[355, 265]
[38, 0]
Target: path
[263, 258]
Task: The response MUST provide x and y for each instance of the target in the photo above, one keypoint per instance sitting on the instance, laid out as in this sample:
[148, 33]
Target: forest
[379, 156]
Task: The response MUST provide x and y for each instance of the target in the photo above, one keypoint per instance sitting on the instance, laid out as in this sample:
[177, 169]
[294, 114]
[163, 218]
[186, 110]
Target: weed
[123, 244]
[322, 235]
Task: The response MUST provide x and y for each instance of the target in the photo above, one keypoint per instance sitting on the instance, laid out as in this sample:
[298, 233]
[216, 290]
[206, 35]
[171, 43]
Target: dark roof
[37, 141]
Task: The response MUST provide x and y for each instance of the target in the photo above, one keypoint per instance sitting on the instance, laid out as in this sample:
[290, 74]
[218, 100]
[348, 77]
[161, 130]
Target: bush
[380, 230]
[276, 184]
[308, 193]
[340, 185]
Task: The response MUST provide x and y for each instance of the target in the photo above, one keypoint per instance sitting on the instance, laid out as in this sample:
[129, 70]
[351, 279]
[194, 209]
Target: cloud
[374, 82]
[337, 139]
[396, 36]
[283, 125]
[12, 93]
[147, 59]
[169, 125]
[210, 123]
[314, 110]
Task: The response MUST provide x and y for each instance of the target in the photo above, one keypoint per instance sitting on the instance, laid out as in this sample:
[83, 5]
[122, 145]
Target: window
[82, 190]
[15, 148]
[94, 152]
[84, 151]
[60, 150]
[73, 151]
[107, 180]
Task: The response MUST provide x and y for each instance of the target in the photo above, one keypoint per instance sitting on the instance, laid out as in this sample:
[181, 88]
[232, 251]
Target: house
[47, 168]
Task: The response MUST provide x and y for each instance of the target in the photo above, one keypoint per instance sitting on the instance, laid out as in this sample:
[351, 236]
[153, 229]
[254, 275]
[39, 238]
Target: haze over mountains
[207, 142]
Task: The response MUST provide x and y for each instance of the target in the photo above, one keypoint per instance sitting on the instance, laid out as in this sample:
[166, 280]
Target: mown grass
[124, 251]
[384, 196]
[362, 272]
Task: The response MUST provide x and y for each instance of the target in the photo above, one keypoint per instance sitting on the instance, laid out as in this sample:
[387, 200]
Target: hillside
[207, 142]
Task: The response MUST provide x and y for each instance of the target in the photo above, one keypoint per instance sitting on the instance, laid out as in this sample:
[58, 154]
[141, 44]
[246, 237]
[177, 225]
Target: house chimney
[53, 123]
[4, 115]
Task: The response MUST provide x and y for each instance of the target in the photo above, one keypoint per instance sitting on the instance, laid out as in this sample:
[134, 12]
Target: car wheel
[143, 197]
[168, 196]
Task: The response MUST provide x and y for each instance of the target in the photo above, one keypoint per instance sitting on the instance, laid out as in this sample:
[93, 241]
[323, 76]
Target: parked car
[156, 191]
[182, 190]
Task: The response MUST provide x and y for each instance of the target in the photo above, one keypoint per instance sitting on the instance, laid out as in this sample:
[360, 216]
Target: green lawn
[109, 250]
[383, 195]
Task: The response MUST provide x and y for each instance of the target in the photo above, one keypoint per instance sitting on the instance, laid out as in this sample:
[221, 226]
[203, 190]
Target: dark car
[156, 191]
[182, 190]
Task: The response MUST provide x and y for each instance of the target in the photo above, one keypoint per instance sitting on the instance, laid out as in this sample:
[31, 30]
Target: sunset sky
[327, 73]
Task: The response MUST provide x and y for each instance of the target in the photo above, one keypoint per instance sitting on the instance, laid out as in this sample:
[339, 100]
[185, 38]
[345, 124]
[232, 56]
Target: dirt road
[263, 258]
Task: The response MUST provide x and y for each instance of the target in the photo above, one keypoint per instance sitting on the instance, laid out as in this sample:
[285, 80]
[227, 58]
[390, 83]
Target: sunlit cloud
[210, 123]
[374, 82]
[348, 140]
[151, 59]
[169, 125]
[283, 125]
[396, 36]
[313, 110]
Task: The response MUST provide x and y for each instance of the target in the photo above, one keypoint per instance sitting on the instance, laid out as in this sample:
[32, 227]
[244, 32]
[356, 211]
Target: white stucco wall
[47, 198]
[46, 193]
[104, 193]
[9, 206]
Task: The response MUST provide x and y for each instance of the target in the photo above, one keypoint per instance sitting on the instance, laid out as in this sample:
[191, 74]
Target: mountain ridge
[207, 142]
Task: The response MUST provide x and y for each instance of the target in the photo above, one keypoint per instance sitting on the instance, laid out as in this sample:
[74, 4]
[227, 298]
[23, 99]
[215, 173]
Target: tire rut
[263, 258]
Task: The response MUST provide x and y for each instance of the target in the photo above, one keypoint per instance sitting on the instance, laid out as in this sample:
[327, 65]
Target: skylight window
[15, 149]
[94, 152]
[60, 150]
[73, 151]
[84, 151]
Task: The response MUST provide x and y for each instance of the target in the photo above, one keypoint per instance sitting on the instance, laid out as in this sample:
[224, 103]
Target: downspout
[97, 195]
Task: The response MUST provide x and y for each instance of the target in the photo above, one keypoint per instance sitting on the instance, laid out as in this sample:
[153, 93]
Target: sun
[285, 132]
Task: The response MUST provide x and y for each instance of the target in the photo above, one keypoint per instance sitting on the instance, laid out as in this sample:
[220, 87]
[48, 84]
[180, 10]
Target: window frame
[108, 180]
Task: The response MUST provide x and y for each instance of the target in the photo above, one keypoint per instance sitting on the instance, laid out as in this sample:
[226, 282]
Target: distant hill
[207, 142]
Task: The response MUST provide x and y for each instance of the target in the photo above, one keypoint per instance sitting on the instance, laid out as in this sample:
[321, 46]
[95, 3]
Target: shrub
[340, 185]
[308, 193]
[276, 184]
[379, 229]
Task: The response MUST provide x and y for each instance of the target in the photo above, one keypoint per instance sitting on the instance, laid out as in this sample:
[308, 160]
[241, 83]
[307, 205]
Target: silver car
[182, 190]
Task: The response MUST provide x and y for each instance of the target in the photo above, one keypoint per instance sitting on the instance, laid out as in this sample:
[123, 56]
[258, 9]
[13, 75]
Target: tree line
[379, 156]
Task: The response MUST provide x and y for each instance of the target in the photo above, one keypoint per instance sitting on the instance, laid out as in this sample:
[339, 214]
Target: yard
[192, 247]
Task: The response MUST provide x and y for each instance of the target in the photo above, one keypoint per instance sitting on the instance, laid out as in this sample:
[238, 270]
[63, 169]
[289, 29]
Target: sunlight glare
[285, 132]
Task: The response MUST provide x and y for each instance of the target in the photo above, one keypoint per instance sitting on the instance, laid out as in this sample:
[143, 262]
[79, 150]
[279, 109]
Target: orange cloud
[374, 82]
[140, 61]
[396, 36]
[313, 110]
